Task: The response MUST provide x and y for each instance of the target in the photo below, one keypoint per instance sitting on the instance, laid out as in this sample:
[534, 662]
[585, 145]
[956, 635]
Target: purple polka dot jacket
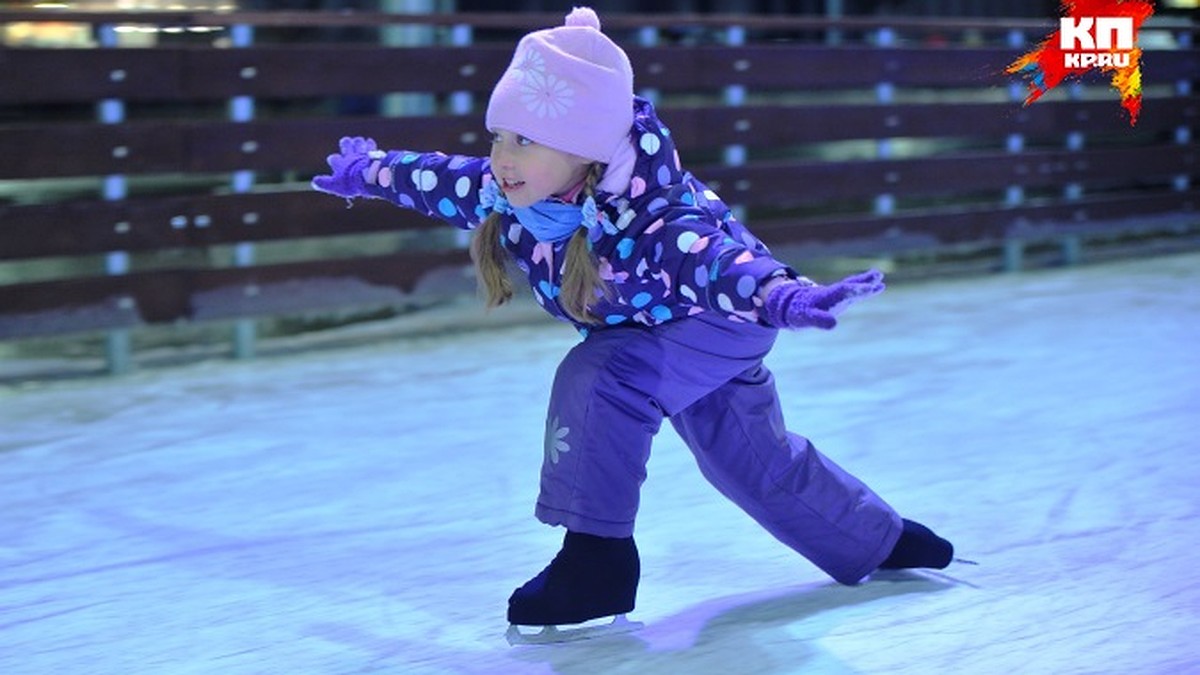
[668, 247]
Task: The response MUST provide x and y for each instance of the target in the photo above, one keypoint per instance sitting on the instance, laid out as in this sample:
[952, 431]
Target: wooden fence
[167, 183]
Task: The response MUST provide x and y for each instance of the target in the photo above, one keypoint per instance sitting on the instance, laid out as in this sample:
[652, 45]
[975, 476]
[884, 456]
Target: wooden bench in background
[880, 144]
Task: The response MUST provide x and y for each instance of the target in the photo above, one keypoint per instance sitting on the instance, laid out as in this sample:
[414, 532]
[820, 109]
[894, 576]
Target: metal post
[462, 103]
[648, 36]
[1072, 249]
[885, 94]
[1014, 254]
[1071, 244]
[1015, 143]
[399, 105]
[1183, 134]
[834, 11]
[241, 109]
[735, 96]
[118, 342]
[1014, 249]
[1014, 194]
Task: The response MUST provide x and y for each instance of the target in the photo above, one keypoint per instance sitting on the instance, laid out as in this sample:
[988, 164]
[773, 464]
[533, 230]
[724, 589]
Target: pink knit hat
[569, 88]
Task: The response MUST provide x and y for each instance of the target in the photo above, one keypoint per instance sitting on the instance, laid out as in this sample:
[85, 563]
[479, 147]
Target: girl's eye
[519, 140]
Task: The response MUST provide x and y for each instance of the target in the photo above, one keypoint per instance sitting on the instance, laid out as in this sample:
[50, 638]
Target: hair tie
[490, 197]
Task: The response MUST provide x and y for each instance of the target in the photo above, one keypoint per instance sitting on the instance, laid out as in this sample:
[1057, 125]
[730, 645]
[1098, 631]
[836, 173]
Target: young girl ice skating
[677, 302]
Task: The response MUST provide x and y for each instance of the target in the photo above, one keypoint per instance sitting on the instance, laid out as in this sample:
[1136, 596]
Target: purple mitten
[796, 305]
[349, 168]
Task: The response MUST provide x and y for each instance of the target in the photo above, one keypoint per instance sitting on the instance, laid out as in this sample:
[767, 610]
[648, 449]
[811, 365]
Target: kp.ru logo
[1092, 34]
[1084, 47]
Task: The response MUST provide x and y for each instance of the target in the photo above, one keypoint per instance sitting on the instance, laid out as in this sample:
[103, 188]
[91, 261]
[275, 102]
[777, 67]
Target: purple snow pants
[705, 373]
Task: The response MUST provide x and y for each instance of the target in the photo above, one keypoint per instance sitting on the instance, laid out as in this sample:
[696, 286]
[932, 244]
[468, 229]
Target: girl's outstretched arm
[438, 185]
[800, 303]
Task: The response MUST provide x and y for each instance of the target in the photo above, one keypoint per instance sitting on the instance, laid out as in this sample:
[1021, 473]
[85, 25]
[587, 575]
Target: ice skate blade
[548, 635]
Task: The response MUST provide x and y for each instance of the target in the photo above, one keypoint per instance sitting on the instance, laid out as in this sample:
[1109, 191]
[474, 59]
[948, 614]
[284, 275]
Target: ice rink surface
[368, 509]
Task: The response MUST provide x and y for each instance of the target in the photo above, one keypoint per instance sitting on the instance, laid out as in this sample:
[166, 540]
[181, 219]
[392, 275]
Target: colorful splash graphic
[1048, 65]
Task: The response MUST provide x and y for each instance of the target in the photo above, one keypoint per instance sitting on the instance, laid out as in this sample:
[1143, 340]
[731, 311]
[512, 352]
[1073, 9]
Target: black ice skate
[918, 546]
[590, 578]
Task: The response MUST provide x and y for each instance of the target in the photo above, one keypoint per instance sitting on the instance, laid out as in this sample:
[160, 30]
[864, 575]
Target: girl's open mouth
[508, 185]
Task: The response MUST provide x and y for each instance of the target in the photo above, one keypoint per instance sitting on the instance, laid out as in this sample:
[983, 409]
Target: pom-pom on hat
[569, 88]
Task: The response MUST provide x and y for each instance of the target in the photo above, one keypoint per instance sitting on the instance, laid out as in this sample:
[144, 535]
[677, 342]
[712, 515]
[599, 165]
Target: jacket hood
[652, 142]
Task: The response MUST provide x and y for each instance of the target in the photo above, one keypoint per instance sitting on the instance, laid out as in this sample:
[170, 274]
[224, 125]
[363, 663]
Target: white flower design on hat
[543, 94]
[532, 60]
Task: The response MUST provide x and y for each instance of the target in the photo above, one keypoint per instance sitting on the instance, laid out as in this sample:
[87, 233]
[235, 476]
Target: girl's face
[529, 172]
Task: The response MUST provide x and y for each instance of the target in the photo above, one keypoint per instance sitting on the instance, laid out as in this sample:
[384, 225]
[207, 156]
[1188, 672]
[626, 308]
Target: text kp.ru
[1088, 42]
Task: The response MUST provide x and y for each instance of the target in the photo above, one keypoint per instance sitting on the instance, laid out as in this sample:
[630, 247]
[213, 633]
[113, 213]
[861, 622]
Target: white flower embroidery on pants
[555, 440]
